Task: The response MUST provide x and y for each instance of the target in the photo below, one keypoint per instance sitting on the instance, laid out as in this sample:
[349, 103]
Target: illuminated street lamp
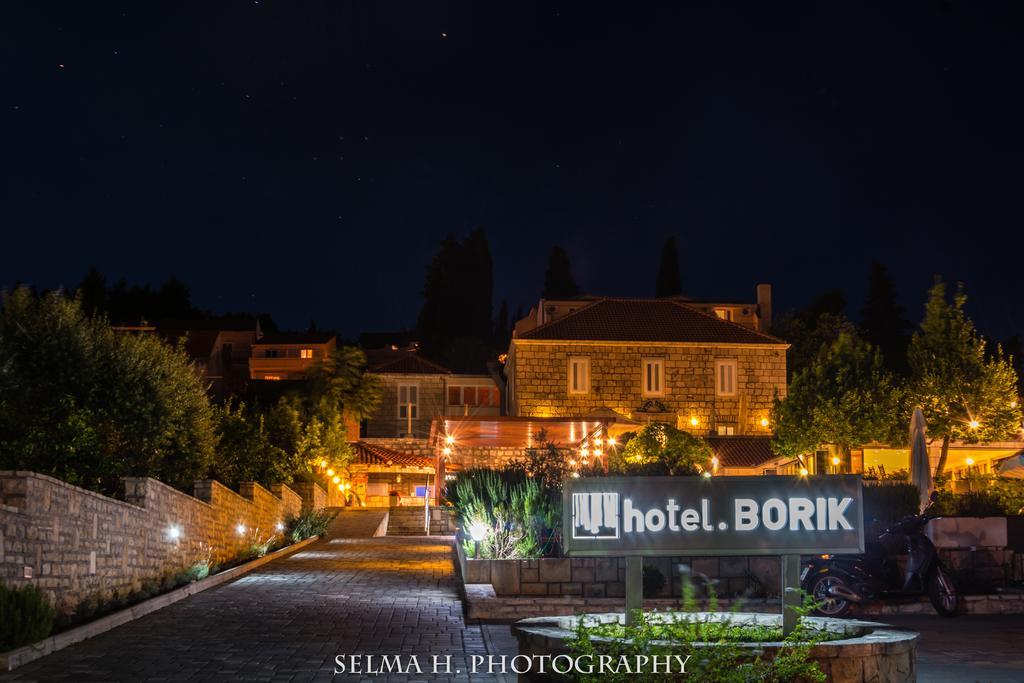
[973, 424]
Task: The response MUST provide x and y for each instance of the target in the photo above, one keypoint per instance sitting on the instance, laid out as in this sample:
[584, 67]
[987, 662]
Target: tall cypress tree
[455, 321]
[882, 321]
[668, 282]
[558, 280]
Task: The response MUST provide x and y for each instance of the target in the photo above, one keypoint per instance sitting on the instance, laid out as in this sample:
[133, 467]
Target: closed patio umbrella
[920, 467]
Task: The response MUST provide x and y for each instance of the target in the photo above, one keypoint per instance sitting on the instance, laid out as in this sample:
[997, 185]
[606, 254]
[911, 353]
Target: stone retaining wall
[600, 577]
[76, 544]
[408, 521]
[758, 576]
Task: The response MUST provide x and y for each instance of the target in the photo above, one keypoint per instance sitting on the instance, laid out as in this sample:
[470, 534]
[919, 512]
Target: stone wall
[409, 521]
[978, 571]
[385, 423]
[313, 495]
[539, 382]
[600, 577]
[74, 543]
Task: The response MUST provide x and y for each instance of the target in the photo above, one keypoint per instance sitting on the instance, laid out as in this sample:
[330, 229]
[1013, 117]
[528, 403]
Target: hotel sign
[770, 515]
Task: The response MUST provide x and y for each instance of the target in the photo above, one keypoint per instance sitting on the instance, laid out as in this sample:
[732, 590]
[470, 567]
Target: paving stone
[287, 620]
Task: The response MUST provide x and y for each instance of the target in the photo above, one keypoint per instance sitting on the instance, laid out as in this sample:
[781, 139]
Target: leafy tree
[246, 452]
[502, 327]
[668, 282]
[812, 329]
[659, 448]
[965, 395]
[882, 321]
[89, 406]
[845, 397]
[558, 280]
[309, 425]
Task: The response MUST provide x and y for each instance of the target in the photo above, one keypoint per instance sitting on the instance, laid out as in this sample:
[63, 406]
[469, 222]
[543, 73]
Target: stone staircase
[359, 524]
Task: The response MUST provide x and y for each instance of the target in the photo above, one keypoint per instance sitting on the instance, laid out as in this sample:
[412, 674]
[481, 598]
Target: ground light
[478, 532]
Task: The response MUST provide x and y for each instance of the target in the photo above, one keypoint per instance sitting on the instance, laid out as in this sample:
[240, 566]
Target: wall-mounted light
[764, 422]
[240, 529]
[446, 451]
[174, 532]
[449, 440]
[279, 526]
[694, 421]
[803, 471]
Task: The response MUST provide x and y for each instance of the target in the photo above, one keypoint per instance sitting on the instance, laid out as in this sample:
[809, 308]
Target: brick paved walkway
[287, 620]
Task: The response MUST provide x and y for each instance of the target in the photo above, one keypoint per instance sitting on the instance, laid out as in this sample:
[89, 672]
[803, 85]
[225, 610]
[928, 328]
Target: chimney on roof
[764, 308]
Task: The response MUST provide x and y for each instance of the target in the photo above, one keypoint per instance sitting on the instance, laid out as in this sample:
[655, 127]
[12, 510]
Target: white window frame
[415, 404]
[657, 377]
[733, 373]
[581, 366]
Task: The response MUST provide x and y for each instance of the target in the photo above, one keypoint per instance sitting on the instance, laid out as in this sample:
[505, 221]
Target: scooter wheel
[826, 605]
[942, 592]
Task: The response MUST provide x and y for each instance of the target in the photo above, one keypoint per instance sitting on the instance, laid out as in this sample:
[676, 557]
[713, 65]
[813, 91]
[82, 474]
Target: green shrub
[308, 524]
[660, 449]
[518, 513]
[26, 616]
[713, 646]
[887, 502]
[973, 504]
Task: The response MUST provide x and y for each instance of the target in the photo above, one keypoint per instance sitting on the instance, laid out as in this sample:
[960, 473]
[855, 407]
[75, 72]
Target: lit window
[579, 376]
[408, 397]
[306, 353]
[272, 377]
[724, 313]
[653, 380]
[725, 377]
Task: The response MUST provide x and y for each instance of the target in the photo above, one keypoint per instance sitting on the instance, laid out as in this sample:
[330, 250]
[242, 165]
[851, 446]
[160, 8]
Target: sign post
[634, 587]
[634, 517]
[790, 592]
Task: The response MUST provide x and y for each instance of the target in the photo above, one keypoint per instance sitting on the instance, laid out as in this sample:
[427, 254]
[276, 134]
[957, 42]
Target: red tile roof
[646, 320]
[367, 454]
[198, 343]
[402, 361]
[296, 338]
[742, 451]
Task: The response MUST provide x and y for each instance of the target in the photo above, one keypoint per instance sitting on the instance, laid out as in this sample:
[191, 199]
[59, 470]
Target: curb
[12, 659]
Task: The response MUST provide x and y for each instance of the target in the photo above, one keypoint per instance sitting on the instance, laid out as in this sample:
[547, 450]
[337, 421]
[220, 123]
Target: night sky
[306, 158]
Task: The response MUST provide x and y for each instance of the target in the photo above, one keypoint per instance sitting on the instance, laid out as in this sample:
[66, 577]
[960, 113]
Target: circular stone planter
[868, 652]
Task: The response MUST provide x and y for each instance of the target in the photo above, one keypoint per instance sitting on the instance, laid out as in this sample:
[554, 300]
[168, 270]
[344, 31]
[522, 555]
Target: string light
[336, 479]
[330, 473]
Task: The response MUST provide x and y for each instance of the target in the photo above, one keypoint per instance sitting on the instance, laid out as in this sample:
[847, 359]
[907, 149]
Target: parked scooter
[838, 582]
